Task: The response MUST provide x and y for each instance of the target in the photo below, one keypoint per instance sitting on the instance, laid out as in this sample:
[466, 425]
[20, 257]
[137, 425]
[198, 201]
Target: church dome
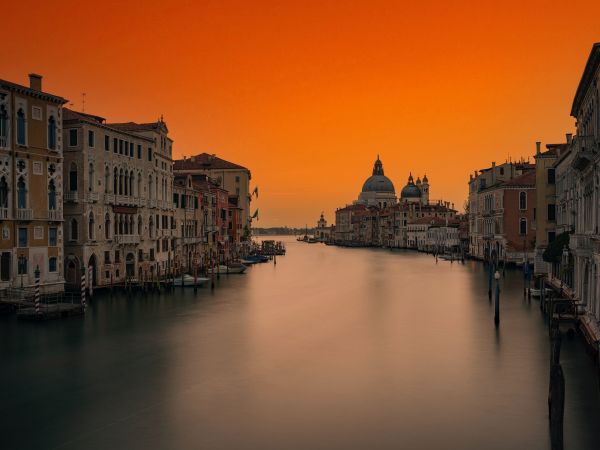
[378, 182]
[411, 190]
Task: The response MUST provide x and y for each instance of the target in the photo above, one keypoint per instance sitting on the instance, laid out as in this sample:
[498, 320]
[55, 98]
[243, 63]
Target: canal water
[332, 348]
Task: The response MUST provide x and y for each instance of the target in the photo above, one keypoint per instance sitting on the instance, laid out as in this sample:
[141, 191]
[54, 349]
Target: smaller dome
[418, 180]
[411, 190]
[425, 180]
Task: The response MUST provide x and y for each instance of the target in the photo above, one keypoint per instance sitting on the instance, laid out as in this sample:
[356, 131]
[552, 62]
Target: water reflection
[331, 348]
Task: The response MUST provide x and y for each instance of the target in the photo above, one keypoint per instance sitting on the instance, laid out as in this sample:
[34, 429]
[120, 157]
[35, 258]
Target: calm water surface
[332, 348]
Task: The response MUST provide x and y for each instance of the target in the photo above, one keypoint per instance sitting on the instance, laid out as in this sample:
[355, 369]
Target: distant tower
[425, 191]
[322, 223]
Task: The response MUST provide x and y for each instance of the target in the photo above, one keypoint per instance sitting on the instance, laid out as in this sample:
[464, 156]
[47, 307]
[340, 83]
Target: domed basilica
[379, 190]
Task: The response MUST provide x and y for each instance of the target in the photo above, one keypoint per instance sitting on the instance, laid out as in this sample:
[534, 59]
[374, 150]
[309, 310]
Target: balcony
[125, 200]
[71, 197]
[3, 213]
[91, 197]
[585, 149]
[55, 215]
[152, 203]
[141, 202]
[24, 214]
[127, 239]
[109, 199]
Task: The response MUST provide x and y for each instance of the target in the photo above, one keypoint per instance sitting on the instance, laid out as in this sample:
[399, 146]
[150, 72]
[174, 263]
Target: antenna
[83, 102]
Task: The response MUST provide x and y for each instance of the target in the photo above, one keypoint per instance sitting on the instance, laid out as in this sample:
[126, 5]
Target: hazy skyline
[306, 94]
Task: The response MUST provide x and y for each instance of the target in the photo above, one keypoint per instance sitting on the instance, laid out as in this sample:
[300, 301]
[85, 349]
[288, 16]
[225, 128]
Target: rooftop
[205, 161]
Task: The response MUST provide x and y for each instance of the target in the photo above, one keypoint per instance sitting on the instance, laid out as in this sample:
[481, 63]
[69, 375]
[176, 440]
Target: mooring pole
[497, 303]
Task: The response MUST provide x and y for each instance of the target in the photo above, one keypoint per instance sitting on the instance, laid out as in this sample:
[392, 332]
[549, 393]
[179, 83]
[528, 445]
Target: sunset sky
[307, 93]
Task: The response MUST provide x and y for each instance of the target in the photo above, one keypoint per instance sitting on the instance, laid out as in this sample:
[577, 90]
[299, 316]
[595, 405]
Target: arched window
[106, 179]
[21, 194]
[150, 228]
[3, 126]
[115, 182]
[121, 182]
[131, 182]
[91, 227]
[21, 127]
[74, 230]
[120, 223]
[139, 185]
[3, 193]
[150, 190]
[73, 177]
[126, 182]
[51, 196]
[91, 178]
[116, 225]
[130, 224]
[523, 226]
[139, 226]
[522, 200]
[51, 133]
[107, 226]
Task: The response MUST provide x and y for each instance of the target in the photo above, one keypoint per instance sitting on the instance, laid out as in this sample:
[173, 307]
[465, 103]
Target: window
[107, 226]
[501, 170]
[3, 193]
[140, 255]
[74, 230]
[117, 256]
[91, 227]
[131, 149]
[51, 133]
[3, 128]
[51, 196]
[22, 265]
[551, 212]
[22, 237]
[21, 194]
[522, 200]
[52, 264]
[5, 266]
[106, 143]
[149, 153]
[115, 145]
[21, 127]
[91, 178]
[120, 146]
[237, 179]
[523, 226]
[73, 178]
[551, 236]
[107, 257]
[91, 139]
[139, 151]
[551, 176]
[52, 237]
[73, 138]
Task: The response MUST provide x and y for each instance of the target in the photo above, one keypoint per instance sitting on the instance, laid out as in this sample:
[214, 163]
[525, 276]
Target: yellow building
[31, 186]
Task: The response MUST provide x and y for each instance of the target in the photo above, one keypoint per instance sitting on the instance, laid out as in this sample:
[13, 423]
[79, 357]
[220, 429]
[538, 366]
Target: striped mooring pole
[37, 290]
[90, 282]
[83, 288]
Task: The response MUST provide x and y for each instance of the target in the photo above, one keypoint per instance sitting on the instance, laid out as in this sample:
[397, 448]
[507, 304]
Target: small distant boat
[188, 281]
[312, 240]
[232, 268]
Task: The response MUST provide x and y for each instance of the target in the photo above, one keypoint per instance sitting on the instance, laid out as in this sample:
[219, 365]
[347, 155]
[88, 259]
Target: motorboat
[189, 281]
[253, 259]
[538, 292]
[232, 268]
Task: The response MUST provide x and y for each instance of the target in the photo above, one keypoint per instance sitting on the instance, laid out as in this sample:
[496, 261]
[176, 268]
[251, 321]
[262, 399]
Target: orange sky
[306, 93]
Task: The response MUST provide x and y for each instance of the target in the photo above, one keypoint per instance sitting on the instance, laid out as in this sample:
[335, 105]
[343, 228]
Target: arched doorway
[130, 265]
[72, 271]
[93, 265]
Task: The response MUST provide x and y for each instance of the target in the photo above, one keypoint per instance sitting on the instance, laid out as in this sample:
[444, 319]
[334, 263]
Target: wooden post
[490, 278]
[83, 305]
[37, 291]
[497, 303]
[556, 394]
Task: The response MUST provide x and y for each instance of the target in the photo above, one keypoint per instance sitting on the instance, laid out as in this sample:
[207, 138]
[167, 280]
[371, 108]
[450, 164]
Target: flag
[255, 215]
[255, 191]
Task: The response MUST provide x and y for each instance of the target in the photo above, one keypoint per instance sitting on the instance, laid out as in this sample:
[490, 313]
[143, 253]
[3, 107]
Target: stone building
[578, 193]
[31, 185]
[485, 206]
[190, 227]
[231, 177]
[545, 180]
[118, 199]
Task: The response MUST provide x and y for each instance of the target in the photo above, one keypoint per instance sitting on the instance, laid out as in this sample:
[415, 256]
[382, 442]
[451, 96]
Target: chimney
[569, 138]
[35, 82]
[537, 147]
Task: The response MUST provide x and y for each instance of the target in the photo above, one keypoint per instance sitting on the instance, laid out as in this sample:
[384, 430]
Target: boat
[188, 281]
[253, 259]
[232, 268]
[538, 292]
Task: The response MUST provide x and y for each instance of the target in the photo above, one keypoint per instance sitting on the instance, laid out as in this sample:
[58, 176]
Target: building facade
[31, 186]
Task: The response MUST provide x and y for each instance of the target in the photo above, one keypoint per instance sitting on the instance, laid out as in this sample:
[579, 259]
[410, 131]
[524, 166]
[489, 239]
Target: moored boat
[189, 281]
